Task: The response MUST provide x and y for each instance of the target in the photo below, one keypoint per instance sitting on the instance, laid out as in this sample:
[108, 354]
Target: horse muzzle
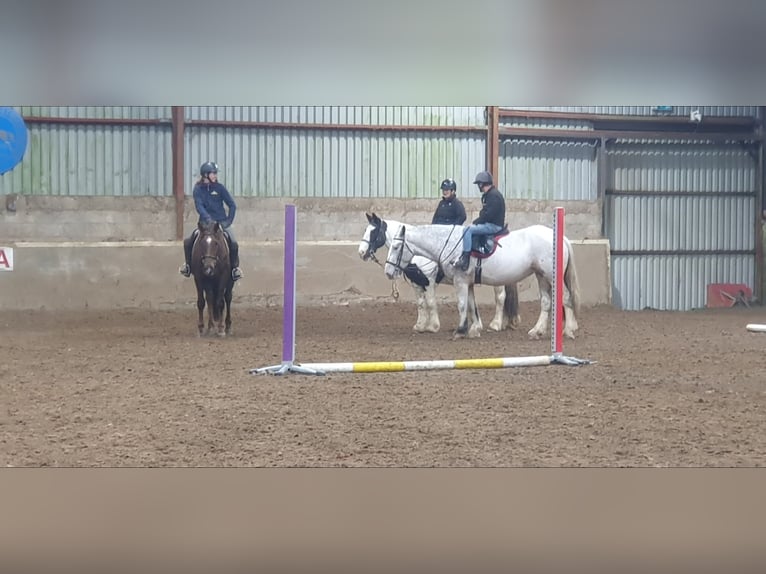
[392, 272]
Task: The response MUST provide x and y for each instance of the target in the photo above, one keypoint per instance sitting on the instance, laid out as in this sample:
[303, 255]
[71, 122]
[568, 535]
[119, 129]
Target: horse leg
[200, 310]
[499, 321]
[570, 319]
[227, 298]
[420, 301]
[545, 308]
[511, 308]
[210, 311]
[220, 304]
[476, 326]
[571, 298]
[461, 293]
[432, 324]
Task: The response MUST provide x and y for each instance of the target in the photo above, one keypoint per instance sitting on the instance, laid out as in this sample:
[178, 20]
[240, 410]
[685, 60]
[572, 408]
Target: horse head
[214, 252]
[374, 237]
[398, 255]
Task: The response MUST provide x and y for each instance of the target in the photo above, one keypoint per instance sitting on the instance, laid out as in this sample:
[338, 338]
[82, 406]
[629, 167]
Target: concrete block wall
[145, 274]
[94, 219]
[96, 252]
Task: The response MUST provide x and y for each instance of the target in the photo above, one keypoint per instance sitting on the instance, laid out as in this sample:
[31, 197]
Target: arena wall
[101, 253]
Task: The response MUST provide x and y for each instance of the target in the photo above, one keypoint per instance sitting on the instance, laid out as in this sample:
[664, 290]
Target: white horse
[422, 273]
[518, 255]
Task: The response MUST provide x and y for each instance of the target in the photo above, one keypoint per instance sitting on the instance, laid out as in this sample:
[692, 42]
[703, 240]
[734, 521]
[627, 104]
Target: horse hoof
[534, 335]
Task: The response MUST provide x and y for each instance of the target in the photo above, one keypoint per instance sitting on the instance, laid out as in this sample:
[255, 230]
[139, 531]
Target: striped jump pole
[288, 328]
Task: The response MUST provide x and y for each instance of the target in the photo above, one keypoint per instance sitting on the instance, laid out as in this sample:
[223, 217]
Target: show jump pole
[288, 305]
[288, 326]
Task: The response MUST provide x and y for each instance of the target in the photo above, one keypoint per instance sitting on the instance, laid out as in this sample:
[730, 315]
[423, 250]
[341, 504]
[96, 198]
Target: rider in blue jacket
[210, 197]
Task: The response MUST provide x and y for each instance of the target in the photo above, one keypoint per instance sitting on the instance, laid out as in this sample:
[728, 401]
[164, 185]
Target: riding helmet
[207, 168]
[448, 184]
[483, 178]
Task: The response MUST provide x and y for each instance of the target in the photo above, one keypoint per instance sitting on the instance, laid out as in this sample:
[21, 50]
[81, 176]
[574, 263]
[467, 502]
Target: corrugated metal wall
[97, 112]
[275, 162]
[548, 170]
[350, 115]
[679, 216]
[684, 216]
[736, 111]
[92, 160]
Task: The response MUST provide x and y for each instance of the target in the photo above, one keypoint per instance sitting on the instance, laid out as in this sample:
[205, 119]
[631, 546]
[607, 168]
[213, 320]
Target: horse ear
[369, 217]
[375, 219]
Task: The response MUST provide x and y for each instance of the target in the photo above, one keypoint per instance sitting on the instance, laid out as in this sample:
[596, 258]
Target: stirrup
[236, 274]
[185, 270]
[463, 262]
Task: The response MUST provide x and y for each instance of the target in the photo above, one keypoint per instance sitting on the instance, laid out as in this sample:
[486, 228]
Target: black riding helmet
[448, 184]
[483, 178]
[207, 168]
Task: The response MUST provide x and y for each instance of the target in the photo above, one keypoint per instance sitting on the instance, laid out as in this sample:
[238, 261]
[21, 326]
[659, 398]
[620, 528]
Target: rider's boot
[185, 269]
[236, 272]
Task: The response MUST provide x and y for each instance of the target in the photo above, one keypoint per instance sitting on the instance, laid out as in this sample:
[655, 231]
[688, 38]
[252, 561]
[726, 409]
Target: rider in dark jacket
[450, 210]
[210, 197]
[491, 217]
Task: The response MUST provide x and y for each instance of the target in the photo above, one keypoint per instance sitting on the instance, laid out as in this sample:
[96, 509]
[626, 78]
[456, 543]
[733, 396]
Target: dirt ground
[138, 388]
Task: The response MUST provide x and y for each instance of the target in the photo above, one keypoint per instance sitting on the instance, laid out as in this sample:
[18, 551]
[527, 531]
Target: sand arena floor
[139, 388]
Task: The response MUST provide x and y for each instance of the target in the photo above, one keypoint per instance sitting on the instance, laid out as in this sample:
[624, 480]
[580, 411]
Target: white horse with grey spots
[423, 274]
[519, 254]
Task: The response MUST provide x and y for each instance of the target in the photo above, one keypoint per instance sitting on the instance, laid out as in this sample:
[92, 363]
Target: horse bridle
[376, 242]
[398, 263]
[211, 234]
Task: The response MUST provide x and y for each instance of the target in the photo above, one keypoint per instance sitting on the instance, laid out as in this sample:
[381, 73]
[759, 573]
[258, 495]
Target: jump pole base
[560, 359]
[286, 367]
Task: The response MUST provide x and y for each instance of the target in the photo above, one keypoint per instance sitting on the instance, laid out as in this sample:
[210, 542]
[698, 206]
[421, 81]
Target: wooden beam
[177, 151]
[333, 127]
[493, 141]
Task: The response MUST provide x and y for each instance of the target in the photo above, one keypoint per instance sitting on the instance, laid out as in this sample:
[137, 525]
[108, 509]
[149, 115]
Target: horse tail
[570, 280]
[511, 304]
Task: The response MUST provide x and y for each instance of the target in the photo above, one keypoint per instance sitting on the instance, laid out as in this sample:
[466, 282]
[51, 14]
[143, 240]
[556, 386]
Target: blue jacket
[209, 199]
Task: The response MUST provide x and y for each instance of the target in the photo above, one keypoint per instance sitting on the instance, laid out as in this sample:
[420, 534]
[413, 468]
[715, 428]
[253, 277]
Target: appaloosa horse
[520, 253]
[424, 274]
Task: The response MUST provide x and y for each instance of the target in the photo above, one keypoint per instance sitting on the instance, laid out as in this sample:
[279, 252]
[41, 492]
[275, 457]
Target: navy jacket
[493, 208]
[449, 212]
[210, 198]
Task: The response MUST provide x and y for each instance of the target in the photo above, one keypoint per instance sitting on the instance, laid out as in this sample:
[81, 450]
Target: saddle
[482, 246]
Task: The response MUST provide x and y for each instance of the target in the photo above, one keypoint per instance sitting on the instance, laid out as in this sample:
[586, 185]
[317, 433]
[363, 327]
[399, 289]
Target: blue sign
[13, 139]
